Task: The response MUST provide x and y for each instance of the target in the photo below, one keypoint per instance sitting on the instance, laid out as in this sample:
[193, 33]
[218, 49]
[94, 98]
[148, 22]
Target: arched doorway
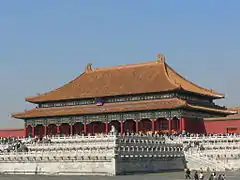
[29, 131]
[64, 129]
[78, 128]
[175, 123]
[39, 130]
[116, 124]
[161, 124]
[164, 124]
[96, 127]
[129, 126]
[145, 126]
[52, 129]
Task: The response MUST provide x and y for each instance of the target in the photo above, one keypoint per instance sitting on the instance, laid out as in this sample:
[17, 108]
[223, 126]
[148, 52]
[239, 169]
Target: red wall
[221, 126]
[12, 132]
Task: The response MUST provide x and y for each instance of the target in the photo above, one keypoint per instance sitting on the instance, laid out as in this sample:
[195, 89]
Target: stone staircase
[197, 162]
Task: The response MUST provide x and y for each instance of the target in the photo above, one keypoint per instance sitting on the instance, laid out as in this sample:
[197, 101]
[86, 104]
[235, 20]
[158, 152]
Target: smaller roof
[235, 115]
[106, 108]
[113, 107]
[149, 77]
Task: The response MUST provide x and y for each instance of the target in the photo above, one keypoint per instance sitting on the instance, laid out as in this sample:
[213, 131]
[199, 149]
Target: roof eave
[226, 112]
[215, 96]
[23, 115]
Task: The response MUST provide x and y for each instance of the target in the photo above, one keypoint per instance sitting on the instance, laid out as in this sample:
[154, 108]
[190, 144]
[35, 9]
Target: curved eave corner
[31, 99]
[215, 96]
[223, 111]
[202, 91]
[17, 116]
[40, 98]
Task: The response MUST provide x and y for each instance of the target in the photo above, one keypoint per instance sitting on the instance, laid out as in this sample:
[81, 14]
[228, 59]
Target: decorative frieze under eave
[106, 117]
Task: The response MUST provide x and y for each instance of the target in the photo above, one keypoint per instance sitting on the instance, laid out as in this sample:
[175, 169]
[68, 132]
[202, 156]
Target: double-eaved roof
[131, 106]
[150, 77]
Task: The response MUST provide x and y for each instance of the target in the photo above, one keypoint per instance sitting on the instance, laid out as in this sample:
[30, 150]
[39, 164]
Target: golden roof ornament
[160, 58]
[88, 67]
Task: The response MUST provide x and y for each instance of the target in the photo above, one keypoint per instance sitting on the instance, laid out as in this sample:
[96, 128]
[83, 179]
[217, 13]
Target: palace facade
[144, 97]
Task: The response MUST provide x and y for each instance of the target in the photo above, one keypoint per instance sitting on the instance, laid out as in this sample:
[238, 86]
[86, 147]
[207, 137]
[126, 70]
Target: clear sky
[44, 44]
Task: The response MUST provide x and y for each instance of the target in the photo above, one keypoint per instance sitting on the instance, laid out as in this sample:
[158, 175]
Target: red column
[58, 129]
[106, 127]
[45, 130]
[169, 124]
[137, 126]
[85, 128]
[122, 127]
[71, 129]
[33, 131]
[182, 124]
[153, 125]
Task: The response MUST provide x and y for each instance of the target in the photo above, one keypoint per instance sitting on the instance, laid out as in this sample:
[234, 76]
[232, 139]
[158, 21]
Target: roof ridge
[167, 75]
[125, 66]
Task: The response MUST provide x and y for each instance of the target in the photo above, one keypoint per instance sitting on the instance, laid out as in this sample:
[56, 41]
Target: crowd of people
[201, 176]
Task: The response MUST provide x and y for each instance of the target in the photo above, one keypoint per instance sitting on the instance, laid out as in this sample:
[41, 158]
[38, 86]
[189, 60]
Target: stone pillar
[33, 131]
[122, 127]
[71, 129]
[45, 130]
[106, 127]
[85, 128]
[137, 123]
[153, 125]
[169, 124]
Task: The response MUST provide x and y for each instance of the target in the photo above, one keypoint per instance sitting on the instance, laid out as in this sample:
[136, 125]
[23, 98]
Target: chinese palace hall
[140, 98]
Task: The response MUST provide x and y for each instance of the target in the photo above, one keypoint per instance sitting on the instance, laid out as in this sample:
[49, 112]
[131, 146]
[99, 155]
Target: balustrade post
[137, 123]
[122, 127]
[169, 124]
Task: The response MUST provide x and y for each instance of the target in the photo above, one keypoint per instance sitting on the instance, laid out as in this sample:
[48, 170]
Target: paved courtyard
[159, 176]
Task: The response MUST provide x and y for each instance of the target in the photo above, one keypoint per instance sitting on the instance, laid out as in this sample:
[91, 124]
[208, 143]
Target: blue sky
[44, 44]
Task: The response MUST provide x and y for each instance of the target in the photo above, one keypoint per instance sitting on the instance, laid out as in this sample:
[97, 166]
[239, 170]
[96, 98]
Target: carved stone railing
[95, 148]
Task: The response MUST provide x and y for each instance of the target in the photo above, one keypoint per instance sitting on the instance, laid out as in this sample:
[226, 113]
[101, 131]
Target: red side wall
[12, 133]
[222, 126]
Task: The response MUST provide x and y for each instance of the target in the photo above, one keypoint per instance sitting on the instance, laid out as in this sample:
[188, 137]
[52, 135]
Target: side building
[144, 97]
[15, 132]
[228, 124]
